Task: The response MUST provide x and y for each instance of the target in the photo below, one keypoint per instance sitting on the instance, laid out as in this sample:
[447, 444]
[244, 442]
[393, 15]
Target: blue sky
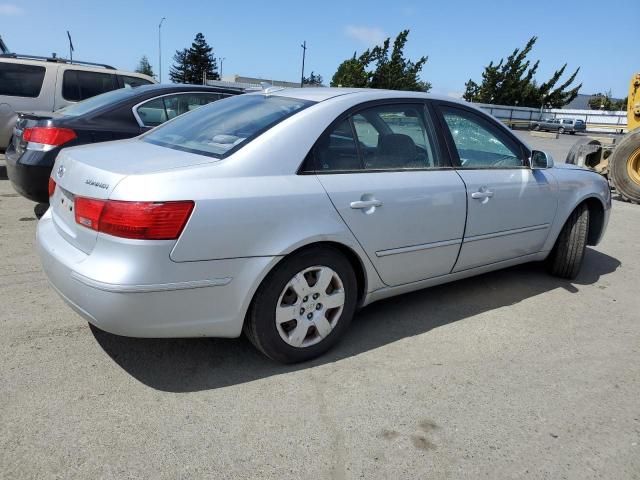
[262, 38]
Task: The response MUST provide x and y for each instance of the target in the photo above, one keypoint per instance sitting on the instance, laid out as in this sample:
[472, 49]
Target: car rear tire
[303, 306]
[566, 257]
[561, 130]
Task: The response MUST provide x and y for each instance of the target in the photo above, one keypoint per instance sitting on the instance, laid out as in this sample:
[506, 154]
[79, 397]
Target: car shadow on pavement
[187, 365]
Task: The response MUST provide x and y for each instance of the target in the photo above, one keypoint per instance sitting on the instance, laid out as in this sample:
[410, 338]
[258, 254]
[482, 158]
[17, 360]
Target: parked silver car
[281, 212]
[560, 125]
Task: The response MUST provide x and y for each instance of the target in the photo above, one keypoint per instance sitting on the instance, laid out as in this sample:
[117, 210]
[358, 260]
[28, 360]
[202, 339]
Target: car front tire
[303, 306]
[567, 255]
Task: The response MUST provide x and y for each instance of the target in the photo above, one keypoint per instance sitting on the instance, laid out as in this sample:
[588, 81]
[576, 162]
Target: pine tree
[513, 82]
[178, 71]
[191, 65]
[390, 70]
[144, 67]
[393, 71]
[201, 61]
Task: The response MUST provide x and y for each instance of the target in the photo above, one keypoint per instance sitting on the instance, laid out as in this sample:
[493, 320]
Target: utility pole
[160, 50]
[304, 54]
[221, 59]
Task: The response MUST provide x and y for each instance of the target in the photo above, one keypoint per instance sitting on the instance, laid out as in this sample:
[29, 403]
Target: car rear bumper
[212, 305]
[30, 179]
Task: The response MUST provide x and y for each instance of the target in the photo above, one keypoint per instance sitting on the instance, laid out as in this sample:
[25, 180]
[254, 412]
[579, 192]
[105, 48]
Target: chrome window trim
[141, 124]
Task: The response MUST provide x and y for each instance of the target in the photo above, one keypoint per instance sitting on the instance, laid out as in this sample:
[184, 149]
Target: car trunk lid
[94, 171]
[75, 178]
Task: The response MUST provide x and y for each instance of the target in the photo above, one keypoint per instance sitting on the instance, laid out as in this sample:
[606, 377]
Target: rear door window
[21, 80]
[78, 85]
[400, 140]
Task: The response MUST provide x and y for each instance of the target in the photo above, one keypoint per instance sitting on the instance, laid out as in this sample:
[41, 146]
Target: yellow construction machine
[619, 161]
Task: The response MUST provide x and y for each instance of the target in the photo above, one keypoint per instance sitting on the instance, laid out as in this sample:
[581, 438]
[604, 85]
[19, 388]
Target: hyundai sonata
[281, 212]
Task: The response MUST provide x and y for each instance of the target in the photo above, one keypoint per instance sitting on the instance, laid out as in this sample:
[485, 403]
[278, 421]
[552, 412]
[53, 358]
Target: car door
[510, 206]
[385, 175]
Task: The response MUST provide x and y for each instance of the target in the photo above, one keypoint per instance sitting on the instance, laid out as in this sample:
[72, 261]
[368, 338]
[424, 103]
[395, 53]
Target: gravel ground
[509, 375]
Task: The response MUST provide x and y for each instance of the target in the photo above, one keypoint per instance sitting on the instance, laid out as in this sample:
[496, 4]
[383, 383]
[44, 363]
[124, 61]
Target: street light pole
[304, 54]
[221, 59]
[160, 50]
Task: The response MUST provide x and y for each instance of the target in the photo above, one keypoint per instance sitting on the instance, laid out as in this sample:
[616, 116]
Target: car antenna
[268, 88]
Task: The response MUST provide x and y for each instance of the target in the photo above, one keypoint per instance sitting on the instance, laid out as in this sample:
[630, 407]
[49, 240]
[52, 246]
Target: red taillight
[52, 187]
[48, 135]
[88, 211]
[138, 220]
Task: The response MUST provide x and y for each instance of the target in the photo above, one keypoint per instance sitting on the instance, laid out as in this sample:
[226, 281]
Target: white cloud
[368, 36]
[10, 9]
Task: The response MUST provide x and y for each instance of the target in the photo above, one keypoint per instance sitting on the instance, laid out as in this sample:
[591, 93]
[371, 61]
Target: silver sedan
[281, 212]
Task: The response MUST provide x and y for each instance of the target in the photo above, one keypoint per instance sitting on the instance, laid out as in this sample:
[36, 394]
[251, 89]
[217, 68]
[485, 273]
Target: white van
[39, 84]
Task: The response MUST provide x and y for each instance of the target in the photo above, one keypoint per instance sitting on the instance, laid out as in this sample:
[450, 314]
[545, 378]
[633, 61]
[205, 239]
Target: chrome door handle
[363, 204]
[482, 194]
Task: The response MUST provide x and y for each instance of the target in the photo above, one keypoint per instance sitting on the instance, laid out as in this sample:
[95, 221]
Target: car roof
[319, 94]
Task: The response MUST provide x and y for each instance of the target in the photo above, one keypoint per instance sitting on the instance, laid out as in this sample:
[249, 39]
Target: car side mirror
[540, 160]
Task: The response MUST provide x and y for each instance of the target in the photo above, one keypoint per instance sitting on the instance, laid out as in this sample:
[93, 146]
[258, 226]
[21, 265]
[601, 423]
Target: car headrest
[398, 145]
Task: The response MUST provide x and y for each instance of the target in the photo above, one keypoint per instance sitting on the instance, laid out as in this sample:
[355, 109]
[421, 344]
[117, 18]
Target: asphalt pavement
[513, 374]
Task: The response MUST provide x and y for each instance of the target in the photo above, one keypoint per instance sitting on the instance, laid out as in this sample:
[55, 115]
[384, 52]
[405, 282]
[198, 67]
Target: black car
[114, 115]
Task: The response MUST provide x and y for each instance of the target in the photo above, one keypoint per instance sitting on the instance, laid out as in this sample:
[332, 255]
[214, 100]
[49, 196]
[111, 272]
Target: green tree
[191, 65]
[600, 101]
[178, 71]
[312, 80]
[383, 67]
[351, 73]
[144, 67]
[513, 81]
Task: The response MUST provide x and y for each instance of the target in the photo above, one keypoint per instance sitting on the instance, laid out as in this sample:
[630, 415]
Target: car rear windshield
[21, 80]
[221, 128]
[98, 101]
